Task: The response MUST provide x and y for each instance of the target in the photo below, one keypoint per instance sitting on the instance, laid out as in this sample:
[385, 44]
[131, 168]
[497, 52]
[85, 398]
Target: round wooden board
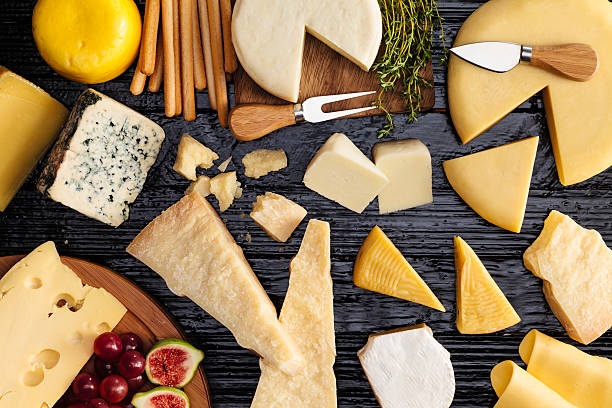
[145, 316]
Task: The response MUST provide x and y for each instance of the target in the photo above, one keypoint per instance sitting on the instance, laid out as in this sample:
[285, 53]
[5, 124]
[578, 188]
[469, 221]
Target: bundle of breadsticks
[192, 49]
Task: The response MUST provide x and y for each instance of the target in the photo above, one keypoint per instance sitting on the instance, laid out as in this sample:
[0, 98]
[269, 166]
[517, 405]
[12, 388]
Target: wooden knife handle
[252, 121]
[576, 61]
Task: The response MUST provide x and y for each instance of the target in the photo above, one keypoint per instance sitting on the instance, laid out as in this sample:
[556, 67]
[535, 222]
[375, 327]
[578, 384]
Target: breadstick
[156, 79]
[214, 21]
[199, 76]
[138, 82]
[177, 56]
[149, 37]
[169, 68]
[187, 59]
[231, 64]
[206, 46]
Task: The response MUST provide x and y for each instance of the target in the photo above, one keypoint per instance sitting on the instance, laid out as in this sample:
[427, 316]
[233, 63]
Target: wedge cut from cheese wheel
[408, 368]
[381, 267]
[481, 305]
[268, 36]
[516, 388]
[576, 266]
[495, 182]
[189, 246]
[577, 112]
[582, 379]
[308, 316]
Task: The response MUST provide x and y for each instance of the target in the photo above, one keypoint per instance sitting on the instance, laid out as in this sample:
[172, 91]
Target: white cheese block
[408, 368]
[268, 37]
[308, 315]
[101, 160]
[44, 346]
[407, 164]
[189, 246]
[342, 173]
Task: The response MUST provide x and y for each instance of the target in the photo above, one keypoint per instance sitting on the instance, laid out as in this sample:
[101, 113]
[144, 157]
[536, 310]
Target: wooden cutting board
[144, 317]
[325, 72]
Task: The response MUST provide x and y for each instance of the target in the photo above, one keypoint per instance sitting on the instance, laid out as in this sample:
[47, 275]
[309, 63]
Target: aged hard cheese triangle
[481, 305]
[277, 215]
[44, 346]
[576, 267]
[380, 267]
[308, 316]
[495, 182]
[190, 247]
[578, 113]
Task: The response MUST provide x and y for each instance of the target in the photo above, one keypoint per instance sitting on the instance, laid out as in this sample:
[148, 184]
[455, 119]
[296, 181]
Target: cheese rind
[260, 162]
[189, 246]
[192, 154]
[225, 187]
[277, 215]
[575, 265]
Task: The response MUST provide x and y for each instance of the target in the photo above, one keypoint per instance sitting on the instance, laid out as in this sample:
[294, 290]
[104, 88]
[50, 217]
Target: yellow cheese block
[582, 379]
[380, 267]
[30, 121]
[575, 265]
[43, 346]
[516, 388]
[495, 182]
[578, 113]
[277, 215]
[308, 316]
[481, 305]
[89, 41]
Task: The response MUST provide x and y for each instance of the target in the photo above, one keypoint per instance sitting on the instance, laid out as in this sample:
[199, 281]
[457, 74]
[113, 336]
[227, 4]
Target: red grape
[131, 341]
[103, 368]
[113, 388]
[85, 386]
[108, 346]
[78, 405]
[98, 403]
[131, 364]
[136, 383]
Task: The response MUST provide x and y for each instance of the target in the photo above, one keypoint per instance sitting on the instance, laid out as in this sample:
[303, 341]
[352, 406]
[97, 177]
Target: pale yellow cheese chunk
[277, 215]
[407, 165]
[192, 154]
[578, 113]
[225, 187]
[495, 182]
[201, 185]
[342, 173]
[260, 162]
[576, 267]
[308, 315]
[189, 246]
[223, 166]
[44, 346]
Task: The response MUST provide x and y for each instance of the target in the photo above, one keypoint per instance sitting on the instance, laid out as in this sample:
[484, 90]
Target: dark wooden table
[424, 234]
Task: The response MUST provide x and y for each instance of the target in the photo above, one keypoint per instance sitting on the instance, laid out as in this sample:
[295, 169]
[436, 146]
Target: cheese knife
[575, 61]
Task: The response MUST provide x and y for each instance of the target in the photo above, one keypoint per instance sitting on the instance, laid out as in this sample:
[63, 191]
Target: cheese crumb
[277, 215]
[224, 187]
[192, 154]
[223, 166]
[261, 162]
[201, 185]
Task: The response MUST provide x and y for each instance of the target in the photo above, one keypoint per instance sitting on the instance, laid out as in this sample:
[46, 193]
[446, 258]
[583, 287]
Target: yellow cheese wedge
[380, 267]
[575, 265]
[516, 388]
[582, 379]
[495, 182]
[30, 121]
[481, 305]
[308, 316]
[277, 215]
[578, 113]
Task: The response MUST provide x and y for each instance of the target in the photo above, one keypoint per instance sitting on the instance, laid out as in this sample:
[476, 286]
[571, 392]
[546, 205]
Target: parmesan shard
[189, 246]
[225, 187]
[308, 316]
[201, 185]
[261, 162]
[192, 154]
[223, 166]
[277, 215]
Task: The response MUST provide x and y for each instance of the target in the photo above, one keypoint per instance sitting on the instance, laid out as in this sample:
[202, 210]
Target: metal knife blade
[492, 55]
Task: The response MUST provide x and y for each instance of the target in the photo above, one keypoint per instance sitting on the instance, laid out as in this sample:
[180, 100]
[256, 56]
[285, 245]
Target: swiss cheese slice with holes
[268, 36]
[48, 323]
[578, 113]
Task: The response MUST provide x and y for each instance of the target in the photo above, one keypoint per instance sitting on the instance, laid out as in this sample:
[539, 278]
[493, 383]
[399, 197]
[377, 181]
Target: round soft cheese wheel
[88, 41]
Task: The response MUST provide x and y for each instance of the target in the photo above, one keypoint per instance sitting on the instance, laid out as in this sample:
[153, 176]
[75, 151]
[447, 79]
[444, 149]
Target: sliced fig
[172, 363]
[161, 397]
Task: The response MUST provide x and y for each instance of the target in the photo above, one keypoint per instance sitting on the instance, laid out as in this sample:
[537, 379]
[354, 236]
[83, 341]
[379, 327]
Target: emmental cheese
[189, 246]
[575, 265]
[308, 316]
[495, 182]
[49, 321]
[277, 215]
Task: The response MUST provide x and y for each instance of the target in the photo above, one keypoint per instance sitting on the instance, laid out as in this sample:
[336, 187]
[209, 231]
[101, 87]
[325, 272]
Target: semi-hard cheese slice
[190, 247]
[408, 368]
[481, 305]
[576, 267]
[277, 215]
[380, 267]
[516, 388]
[48, 323]
[582, 379]
[308, 316]
[269, 35]
[578, 113]
[495, 182]
[30, 120]
[342, 173]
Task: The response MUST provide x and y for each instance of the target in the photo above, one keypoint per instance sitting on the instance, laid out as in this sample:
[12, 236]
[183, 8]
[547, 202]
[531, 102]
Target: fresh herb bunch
[407, 34]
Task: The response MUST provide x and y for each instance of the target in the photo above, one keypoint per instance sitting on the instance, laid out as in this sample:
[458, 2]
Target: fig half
[161, 397]
[172, 363]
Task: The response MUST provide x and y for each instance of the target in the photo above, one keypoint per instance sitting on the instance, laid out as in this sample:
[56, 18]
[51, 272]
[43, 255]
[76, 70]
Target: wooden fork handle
[576, 61]
[252, 121]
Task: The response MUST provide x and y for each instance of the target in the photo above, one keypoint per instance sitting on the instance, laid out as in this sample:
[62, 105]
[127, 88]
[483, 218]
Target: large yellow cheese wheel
[88, 41]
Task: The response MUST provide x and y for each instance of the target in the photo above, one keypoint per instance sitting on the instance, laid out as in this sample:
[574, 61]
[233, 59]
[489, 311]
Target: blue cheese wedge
[101, 160]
